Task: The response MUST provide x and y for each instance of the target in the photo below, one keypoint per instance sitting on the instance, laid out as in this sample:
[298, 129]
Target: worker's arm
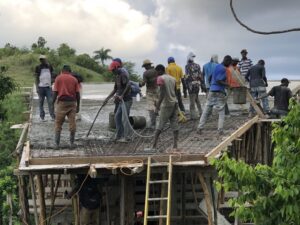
[264, 76]
[37, 78]
[160, 99]
[55, 93]
[78, 102]
[112, 93]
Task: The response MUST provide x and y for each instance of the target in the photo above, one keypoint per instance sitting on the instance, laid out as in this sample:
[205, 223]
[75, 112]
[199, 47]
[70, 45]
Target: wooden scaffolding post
[41, 194]
[207, 198]
[36, 219]
[23, 198]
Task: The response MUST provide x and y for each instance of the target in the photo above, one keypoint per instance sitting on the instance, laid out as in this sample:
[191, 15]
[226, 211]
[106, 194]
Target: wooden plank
[22, 139]
[115, 161]
[48, 202]
[33, 201]
[40, 188]
[27, 153]
[207, 198]
[232, 137]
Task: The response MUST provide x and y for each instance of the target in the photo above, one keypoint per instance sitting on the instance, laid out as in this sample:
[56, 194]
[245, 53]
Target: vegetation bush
[272, 192]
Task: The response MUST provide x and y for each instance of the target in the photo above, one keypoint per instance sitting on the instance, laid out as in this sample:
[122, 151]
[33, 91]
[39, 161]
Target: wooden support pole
[183, 195]
[41, 194]
[23, 198]
[122, 201]
[207, 198]
[162, 204]
[107, 206]
[75, 203]
[53, 195]
[129, 200]
[34, 199]
[214, 200]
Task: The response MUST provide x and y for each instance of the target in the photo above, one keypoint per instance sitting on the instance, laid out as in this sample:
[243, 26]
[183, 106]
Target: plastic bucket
[111, 120]
[239, 95]
[137, 122]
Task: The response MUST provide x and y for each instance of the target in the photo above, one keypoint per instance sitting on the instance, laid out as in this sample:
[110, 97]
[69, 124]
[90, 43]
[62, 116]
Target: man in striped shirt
[245, 63]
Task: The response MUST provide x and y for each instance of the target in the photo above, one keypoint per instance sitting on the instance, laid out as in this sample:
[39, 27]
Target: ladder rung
[158, 181]
[157, 199]
[157, 217]
[162, 164]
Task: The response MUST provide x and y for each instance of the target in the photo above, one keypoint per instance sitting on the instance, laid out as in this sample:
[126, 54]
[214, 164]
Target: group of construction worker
[163, 93]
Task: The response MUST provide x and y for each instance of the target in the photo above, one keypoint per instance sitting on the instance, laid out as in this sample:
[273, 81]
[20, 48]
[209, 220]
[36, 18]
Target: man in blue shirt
[217, 95]
[208, 70]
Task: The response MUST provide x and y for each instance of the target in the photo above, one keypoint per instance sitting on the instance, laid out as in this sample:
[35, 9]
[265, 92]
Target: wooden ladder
[149, 183]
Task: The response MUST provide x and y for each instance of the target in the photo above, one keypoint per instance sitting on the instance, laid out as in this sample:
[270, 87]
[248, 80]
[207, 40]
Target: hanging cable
[256, 31]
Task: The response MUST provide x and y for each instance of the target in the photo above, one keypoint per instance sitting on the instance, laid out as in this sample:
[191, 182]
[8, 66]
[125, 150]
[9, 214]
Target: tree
[273, 192]
[86, 61]
[102, 54]
[65, 50]
[41, 42]
[129, 66]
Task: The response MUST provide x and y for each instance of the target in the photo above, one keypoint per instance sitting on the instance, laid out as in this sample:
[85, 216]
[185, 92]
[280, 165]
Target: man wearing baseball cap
[149, 79]
[43, 81]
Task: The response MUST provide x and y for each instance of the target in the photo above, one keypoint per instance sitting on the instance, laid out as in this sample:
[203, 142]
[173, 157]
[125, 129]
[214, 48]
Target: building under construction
[169, 187]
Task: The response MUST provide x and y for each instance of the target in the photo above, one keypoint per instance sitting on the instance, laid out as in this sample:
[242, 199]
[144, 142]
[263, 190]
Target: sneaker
[42, 119]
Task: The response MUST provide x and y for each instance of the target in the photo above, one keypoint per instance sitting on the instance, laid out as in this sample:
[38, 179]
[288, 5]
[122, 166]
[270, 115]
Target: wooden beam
[34, 199]
[113, 160]
[40, 187]
[27, 153]
[232, 137]
[207, 198]
[23, 198]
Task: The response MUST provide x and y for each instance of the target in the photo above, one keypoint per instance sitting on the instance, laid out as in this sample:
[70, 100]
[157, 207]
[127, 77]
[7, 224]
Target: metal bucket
[239, 95]
[137, 122]
[111, 120]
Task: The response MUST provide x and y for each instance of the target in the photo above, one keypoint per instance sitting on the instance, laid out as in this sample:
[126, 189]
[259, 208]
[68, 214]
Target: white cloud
[86, 25]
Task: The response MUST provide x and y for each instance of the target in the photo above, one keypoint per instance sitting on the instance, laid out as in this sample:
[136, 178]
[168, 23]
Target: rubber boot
[57, 140]
[176, 133]
[157, 133]
[72, 139]
[152, 115]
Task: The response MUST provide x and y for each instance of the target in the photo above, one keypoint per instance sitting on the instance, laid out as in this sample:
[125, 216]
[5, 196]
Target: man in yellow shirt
[176, 71]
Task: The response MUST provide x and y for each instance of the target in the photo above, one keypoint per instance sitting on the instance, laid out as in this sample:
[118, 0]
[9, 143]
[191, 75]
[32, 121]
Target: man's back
[149, 77]
[245, 65]
[168, 90]
[257, 76]
[281, 96]
[175, 71]
[219, 74]
[66, 85]
[208, 70]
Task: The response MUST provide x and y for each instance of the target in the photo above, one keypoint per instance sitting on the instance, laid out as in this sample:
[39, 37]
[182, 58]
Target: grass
[21, 68]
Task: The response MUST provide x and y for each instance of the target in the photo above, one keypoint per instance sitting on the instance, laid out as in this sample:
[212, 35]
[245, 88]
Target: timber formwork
[46, 174]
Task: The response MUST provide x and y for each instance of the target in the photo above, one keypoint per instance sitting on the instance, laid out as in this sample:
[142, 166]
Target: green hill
[21, 67]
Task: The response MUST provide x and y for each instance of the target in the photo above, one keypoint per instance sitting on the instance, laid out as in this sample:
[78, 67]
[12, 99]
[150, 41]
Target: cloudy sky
[138, 29]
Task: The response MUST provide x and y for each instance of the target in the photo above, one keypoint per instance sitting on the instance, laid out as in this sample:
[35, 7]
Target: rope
[256, 31]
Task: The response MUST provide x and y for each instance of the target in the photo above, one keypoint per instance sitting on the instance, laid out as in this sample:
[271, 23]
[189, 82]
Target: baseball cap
[285, 81]
[42, 57]
[146, 62]
[171, 59]
[114, 65]
[236, 59]
[244, 50]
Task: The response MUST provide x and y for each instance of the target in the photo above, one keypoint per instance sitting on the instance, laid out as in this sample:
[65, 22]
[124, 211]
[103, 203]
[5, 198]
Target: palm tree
[102, 54]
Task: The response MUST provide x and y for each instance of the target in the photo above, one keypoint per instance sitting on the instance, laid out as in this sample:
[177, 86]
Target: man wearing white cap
[43, 81]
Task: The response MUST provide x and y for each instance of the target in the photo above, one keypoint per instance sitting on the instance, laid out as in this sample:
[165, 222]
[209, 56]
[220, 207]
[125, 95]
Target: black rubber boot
[157, 133]
[72, 139]
[152, 115]
[57, 140]
[176, 133]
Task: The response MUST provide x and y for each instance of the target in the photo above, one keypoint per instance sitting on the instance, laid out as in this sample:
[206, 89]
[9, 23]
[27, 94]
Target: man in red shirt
[66, 91]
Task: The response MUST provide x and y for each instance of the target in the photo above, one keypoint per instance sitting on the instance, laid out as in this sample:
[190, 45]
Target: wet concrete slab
[101, 143]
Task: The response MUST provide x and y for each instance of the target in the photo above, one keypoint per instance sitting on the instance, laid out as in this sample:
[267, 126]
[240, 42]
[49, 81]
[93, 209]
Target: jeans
[257, 92]
[45, 92]
[122, 124]
[179, 99]
[217, 100]
[194, 101]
